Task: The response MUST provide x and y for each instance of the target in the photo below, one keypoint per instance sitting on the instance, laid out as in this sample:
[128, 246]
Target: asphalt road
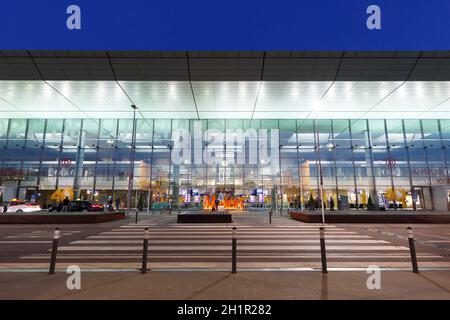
[284, 244]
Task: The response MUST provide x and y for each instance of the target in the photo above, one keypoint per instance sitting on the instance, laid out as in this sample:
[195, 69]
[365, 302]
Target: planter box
[204, 218]
[371, 217]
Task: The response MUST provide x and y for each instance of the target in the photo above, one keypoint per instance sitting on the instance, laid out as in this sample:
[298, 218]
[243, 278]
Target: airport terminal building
[173, 129]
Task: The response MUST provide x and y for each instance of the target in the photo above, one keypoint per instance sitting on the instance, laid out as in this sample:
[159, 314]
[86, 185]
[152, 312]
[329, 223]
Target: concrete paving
[198, 256]
[224, 285]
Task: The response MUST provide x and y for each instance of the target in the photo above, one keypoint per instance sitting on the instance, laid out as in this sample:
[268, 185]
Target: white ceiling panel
[226, 99]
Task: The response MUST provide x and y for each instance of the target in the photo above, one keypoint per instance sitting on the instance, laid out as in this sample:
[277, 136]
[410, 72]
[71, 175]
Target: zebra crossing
[206, 246]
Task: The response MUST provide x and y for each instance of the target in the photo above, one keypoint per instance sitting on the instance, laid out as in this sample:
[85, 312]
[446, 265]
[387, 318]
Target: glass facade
[393, 164]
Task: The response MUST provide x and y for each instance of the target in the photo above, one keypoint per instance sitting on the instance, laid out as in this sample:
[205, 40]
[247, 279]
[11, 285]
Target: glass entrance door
[422, 197]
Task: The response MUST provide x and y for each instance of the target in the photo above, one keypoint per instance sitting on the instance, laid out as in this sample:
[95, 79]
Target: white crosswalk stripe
[209, 246]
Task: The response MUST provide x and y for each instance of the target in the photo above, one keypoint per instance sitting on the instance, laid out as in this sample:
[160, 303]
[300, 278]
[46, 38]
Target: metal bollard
[136, 218]
[233, 251]
[56, 236]
[412, 249]
[322, 250]
[145, 251]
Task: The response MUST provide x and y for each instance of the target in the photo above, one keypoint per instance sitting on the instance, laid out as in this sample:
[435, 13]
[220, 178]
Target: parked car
[82, 205]
[77, 206]
[52, 207]
[22, 206]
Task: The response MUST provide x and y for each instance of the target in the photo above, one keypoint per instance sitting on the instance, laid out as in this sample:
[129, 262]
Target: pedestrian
[217, 205]
[331, 204]
[66, 203]
[117, 204]
[110, 204]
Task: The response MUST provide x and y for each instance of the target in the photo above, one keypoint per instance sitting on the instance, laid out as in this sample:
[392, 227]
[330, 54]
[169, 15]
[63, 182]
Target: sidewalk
[224, 285]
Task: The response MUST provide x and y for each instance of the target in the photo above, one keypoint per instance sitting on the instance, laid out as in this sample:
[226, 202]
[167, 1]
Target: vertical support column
[270, 216]
[388, 146]
[370, 166]
[19, 181]
[115, 153]
[316, 147]
[299, 167]
[274, 194]
[41, 155]
[176, 185]
[79, 162]
[425, 150]
[4, 153]
[132, 155]
[322, 204]
[405, 143]
[170, 186]
[150, 191]
[61, 148]
[353, 164]
[279, 166]
[97, 149]
[444, 156]
[336, 181]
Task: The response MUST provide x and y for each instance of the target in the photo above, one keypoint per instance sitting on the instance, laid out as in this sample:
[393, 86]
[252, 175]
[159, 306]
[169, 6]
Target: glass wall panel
[345, 170]
[107, 160]
[398, 165]
[161, 168]
[366, 164]
[445, 142]
[68, 158]
[381, 163]
[420, 173]
[308, 168]
[289, 175]
[326, 151]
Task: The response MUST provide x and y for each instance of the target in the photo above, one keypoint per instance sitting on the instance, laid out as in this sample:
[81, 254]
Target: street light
[132, 155]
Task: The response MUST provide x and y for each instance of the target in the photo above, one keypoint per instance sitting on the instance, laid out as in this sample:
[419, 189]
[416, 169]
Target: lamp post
[132, 154]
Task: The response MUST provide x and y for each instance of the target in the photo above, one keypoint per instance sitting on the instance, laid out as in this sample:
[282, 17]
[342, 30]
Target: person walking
[66, 203]
[110, 205]
[216, 205]
[331, 204]
[117, 204]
